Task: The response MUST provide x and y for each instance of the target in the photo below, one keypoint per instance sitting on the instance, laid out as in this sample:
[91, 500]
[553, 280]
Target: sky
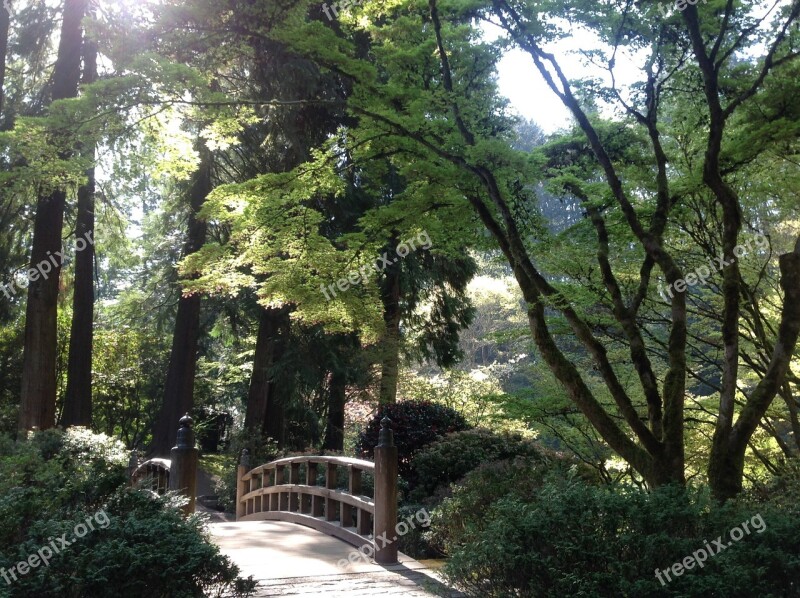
[521, 83]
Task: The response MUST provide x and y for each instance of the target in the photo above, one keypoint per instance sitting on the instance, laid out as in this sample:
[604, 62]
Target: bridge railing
[178, 473]
[155, 472]
[304, 490]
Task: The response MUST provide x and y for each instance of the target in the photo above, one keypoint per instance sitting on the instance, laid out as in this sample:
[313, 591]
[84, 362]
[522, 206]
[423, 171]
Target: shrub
[414, 543]
[450, 458]
[513, 531]
[142, 546]
[416, 424]
[147, 548]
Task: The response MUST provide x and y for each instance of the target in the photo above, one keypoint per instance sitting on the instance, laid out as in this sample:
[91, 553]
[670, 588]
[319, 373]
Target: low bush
[514, 530]
[414, 543]
[416, 424]
[71, 487]
[450, 458]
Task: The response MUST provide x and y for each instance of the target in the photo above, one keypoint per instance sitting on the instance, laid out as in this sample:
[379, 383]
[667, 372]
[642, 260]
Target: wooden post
[241, 469]
[133, 464]
[183, 469]
[384, 534]
[330, 484]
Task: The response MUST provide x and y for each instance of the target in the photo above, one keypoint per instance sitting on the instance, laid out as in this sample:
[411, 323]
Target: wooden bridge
[310, 525]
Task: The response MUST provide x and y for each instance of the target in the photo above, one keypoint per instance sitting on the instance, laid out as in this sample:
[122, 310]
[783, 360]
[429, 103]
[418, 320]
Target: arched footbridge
[312, 525]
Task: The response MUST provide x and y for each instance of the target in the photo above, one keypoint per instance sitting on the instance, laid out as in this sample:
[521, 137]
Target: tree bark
[38, 393]
[78, 395]
[726, 465]
[390, 347]
[730, 441]
[179, 387]
[5, 22]
[265, 407]
[258, 394]
[337, 397]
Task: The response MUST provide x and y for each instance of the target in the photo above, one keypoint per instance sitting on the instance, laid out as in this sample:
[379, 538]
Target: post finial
[386, 435]
[245, 458]
[185, 433]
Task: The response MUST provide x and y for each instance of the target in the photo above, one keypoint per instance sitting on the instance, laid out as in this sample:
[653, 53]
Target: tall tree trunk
[38, 394]
[78, 396]
[390, 347]
[179, 387]
[263, 358]
[265, 406]
[260, 380]
[726, 463]
[731, 439]
[334, 431]
[5, 22]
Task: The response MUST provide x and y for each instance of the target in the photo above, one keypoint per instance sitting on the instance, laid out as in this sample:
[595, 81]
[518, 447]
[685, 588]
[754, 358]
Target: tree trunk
[730, 441]
[390, 349]
[78, 396]
[179, 387]
[265, 407]
[726, 464]
[38, 394]
[334, 432]
[5, 22]
[258, 394]
[275, 419]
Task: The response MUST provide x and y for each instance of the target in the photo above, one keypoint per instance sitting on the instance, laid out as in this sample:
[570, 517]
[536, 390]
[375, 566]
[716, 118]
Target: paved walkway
[292, 560]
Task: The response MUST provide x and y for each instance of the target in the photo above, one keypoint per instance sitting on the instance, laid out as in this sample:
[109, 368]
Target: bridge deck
[292, 560]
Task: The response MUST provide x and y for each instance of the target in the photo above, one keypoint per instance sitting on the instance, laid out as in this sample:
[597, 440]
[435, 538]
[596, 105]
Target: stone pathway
[293, 560]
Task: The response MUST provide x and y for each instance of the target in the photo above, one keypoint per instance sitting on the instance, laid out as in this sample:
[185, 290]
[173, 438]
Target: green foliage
[449, 459]
[514, 530]
[476, 395]
[147, 549]
[260, 449]
[140, 545]
[414, 542]
[416, 424]
[127, 379]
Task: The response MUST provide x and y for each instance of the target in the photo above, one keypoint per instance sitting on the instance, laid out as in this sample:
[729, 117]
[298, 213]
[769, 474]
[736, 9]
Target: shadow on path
[292, 560]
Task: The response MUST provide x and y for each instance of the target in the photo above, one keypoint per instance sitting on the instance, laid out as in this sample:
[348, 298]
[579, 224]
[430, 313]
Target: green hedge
[450, 458]
[141, 545]
[514, 530]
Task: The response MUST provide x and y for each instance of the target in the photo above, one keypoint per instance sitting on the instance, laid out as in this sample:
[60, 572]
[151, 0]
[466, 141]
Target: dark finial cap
[185, 433]
[386, 436]
[245, 458]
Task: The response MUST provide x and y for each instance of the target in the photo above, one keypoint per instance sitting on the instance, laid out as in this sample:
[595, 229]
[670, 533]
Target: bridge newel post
[242, 468]
[183, 469]
[133, 463]
[385, 537]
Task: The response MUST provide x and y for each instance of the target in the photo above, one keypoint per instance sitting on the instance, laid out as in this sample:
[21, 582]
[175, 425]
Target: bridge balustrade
[305, 490]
